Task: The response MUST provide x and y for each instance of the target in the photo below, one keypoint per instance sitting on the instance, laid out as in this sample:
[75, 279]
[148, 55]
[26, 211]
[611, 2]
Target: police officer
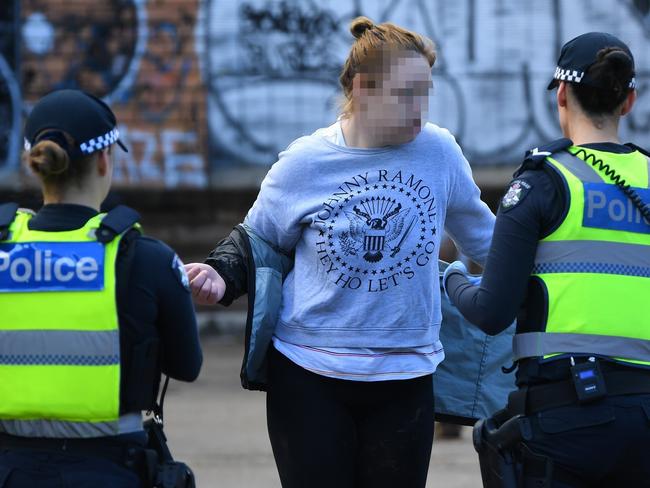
[91, 311]
[570, 259]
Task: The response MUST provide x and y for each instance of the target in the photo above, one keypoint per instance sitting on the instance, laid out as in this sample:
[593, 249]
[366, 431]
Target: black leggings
[328, 432]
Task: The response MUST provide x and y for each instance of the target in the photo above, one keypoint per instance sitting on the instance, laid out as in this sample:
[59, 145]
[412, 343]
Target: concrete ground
[220, 430]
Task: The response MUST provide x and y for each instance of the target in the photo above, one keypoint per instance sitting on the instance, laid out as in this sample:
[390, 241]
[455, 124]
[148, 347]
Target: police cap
[86, 118]
[577, 56]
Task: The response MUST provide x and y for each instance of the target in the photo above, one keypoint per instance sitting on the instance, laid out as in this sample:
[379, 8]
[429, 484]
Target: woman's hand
[207, 286]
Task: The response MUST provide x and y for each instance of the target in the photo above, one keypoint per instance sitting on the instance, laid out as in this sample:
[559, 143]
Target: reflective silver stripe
[71, 347]
[131, 422]
[537, 344]
[600, 252]
[581, 170]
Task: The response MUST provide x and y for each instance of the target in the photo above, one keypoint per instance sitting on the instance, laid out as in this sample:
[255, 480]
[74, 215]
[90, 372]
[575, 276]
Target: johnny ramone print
[376, 230]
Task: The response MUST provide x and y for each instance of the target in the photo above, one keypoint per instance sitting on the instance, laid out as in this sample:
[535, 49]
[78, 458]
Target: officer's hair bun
[617, 58]
[617, 62]
[47, 159]
[613, 71]
[360, 25]
[611, 74]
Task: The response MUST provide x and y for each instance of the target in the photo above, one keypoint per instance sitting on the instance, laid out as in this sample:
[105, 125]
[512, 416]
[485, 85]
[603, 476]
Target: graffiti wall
[138, 55]
[272, 67]
[10, 118]
[205, 88]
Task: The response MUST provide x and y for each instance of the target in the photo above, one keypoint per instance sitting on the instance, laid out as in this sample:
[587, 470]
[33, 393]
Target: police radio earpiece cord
[162, 397]
[618, 181]
[157, 409]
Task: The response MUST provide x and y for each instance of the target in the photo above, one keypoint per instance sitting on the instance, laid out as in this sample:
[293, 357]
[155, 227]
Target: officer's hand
[207, 286]
[453, 268]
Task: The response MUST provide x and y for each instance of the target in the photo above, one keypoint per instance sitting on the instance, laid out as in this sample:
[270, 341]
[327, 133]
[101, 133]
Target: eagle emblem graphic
[374, 223]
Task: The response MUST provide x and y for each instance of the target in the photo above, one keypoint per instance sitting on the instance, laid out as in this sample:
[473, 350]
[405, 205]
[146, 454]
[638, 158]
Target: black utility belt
[587, 384]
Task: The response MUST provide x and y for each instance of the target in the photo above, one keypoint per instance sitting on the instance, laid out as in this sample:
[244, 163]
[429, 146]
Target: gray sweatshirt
[366, 225]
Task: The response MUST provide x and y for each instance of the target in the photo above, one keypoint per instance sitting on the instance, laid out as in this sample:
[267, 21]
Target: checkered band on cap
[576, 76]
[97, 143]
[568, 75]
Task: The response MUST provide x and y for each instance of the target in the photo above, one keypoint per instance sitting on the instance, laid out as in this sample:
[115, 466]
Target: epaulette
[637, 148]
[7, 216]
[535, 157]
[116, 221]
[27, 211]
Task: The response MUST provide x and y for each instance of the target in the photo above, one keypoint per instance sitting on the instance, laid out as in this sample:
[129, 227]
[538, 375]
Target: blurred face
[392, 101]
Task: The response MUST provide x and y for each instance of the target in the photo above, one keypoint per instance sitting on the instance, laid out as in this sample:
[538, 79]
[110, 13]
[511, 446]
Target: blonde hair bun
[48, 159]
[361, 25]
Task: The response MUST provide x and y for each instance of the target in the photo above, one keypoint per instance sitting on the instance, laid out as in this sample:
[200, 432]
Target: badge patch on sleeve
[179, 271]
[516, 193]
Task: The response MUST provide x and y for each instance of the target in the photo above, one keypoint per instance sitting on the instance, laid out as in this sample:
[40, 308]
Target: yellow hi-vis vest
[59, 335]
[596, 265]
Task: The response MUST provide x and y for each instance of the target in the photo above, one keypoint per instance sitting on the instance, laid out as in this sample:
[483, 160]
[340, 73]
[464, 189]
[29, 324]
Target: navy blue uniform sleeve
[531, 207]
[158, 288]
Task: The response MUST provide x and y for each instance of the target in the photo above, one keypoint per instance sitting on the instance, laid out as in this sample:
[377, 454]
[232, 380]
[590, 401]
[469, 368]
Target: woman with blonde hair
[339, 256]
